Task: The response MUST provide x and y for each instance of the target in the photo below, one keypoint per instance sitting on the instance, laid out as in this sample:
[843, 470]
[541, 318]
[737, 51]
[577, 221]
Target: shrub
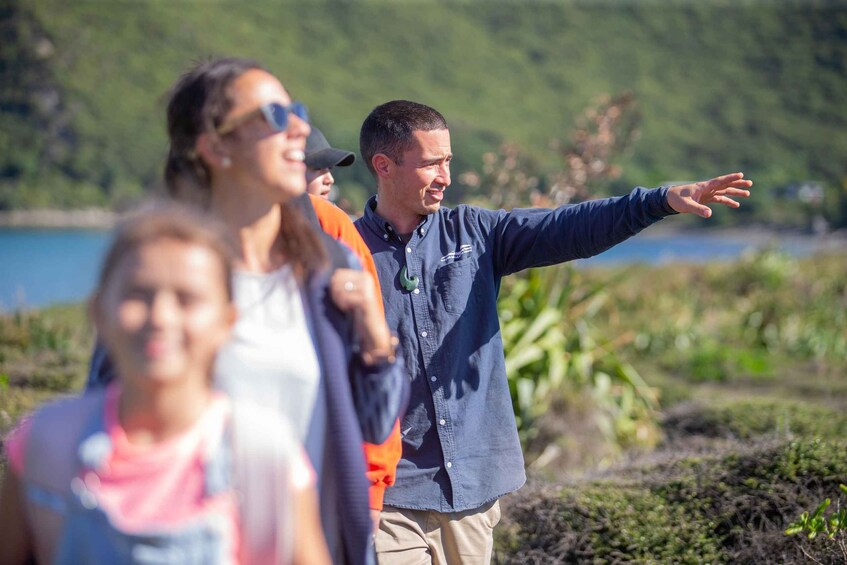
[553, 351]
[748, 419]
[720, 509]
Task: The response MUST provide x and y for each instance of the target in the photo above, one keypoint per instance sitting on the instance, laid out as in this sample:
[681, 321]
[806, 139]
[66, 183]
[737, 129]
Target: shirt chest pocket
[454, 284]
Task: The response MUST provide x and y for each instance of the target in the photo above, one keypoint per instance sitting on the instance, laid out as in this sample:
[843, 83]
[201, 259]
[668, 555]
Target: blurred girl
[158, 467]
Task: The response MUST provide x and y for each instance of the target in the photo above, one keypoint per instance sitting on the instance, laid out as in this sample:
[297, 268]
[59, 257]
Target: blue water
[44, 267]
[696, 247]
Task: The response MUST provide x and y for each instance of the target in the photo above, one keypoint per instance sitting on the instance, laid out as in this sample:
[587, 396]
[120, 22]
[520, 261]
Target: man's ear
[212, 151]
[382, 164]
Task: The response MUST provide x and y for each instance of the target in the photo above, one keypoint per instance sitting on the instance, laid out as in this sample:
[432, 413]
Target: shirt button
[424, 334]
[408, 250]
[423, 231]
[432, 378]
[385, 236]
[442, 421]
[417, 291]
[449, 464]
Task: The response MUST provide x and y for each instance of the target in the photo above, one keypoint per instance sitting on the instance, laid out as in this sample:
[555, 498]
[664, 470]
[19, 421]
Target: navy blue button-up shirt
[460, 440]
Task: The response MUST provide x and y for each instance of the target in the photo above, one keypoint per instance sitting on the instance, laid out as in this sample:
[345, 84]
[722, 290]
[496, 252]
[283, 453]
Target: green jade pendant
[407, 282]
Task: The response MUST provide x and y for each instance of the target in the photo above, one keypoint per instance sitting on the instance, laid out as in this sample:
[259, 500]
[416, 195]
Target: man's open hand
[693, 198]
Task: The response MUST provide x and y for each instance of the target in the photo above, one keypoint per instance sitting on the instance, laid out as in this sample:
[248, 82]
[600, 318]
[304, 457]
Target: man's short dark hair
[388, 129]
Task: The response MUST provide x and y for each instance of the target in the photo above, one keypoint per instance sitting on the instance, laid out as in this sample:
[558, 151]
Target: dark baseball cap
[319, 154]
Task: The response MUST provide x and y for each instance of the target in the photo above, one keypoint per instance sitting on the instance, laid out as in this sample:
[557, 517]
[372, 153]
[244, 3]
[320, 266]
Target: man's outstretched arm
[537, 237]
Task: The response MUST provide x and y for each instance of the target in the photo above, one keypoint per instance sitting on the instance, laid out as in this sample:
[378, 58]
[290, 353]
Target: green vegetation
[833, 526]
[555, 352]
[41, 354]
[718, 86]
[756, 417]
[735, 320]
[729, 508]
[596, 336]
[740, 435]
[748, 358]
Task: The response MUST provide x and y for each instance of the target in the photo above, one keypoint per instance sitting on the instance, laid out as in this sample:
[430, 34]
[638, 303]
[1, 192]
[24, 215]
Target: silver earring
[226, 162]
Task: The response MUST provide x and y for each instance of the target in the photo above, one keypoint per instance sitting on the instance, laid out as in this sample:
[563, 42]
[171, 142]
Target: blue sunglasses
[274, 113]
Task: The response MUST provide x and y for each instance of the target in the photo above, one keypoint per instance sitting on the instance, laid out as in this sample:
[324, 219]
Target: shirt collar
[383, 227]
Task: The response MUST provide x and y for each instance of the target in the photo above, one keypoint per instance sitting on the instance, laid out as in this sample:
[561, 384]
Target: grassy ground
[42, 354]
[737, 465]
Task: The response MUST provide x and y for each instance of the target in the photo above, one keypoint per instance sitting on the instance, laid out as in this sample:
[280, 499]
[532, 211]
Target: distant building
[808, 192]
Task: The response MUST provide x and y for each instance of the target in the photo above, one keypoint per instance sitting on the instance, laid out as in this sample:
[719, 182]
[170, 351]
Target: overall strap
[52, 461]
[53, 451]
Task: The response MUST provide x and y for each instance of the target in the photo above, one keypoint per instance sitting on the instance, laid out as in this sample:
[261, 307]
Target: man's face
[416, 186]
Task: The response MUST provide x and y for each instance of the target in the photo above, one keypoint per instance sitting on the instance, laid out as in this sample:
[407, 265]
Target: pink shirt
[151, 486]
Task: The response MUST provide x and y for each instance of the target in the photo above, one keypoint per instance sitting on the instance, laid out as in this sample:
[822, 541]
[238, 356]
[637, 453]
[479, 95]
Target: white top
[271, 358]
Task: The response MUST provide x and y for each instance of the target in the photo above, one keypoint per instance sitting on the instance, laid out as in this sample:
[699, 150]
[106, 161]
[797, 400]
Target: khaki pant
[412, 537]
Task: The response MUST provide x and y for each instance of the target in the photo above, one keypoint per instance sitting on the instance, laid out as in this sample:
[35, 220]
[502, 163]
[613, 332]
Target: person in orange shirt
[321, 157]
[381, 459]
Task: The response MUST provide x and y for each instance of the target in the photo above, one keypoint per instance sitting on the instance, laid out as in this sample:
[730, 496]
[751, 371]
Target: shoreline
[104, 219]
[88, 218]
[755, 233]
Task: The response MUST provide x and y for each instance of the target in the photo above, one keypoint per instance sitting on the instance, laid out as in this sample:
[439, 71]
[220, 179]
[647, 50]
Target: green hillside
[757, 87]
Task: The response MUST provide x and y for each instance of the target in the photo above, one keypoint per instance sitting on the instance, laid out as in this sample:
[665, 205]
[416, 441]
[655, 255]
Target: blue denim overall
[89, 536]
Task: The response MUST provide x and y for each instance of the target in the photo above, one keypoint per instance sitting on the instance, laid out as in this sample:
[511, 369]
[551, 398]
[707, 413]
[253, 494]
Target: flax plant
[553, 351]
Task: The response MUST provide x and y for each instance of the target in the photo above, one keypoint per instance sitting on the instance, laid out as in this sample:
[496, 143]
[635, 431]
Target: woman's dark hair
[389, 127]
[197, 104]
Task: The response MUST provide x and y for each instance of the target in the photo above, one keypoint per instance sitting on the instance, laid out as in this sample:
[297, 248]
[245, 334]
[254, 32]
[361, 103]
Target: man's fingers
[726, 179]
[691, 206]
[726, 201]
[734, 192]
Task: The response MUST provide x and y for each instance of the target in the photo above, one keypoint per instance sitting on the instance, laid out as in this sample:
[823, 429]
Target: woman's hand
[354, 292]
